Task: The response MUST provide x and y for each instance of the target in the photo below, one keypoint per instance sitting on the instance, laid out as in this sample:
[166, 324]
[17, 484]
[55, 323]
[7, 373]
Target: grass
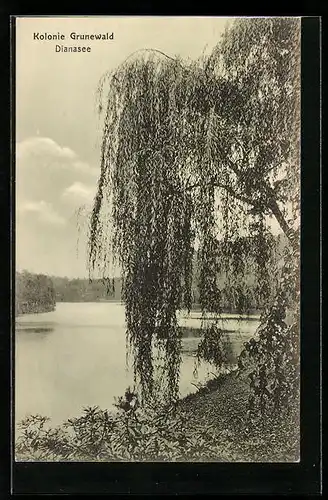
[222, 406]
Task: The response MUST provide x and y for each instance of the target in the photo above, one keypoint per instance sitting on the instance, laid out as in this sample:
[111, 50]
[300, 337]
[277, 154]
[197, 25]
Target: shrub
[133, 433]
[272, 365]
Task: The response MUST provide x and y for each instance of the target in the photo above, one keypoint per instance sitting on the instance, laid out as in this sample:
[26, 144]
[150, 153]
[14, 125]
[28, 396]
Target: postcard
[157, 287]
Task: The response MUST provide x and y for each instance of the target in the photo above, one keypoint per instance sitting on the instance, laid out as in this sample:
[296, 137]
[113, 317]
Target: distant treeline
[34, 293]
[85, 290]
[41, 291]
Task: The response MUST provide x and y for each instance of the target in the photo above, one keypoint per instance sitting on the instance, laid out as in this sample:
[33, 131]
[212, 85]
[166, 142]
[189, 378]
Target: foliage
[35, 441]
[194, 152]
[210, 425]
[273, 360]
[34, 293]
[215, 347]
[86, 290]
[261, 57]
[134, 433]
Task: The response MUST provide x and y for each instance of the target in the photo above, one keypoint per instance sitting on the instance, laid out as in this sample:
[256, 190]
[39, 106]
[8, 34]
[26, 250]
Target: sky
[58, 130]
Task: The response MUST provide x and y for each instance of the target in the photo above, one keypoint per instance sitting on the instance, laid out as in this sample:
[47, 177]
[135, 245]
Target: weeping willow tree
[196, 152]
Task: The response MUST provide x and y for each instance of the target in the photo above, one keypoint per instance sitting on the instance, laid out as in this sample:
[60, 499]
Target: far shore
[195, 313]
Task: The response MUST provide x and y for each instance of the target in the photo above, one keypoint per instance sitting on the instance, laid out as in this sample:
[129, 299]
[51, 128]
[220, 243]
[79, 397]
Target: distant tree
[34, 293]
[192, 153]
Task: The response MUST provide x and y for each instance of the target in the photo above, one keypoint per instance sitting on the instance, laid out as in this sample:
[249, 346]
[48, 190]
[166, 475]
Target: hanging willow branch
[168, 159]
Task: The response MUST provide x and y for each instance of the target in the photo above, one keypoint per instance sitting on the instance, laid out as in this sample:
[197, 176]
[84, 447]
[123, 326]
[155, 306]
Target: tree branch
[270, 203]
[231, 191]
[273, 206]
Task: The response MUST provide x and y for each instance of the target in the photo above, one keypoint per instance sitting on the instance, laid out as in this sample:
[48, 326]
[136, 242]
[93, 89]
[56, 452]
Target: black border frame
[227, 478]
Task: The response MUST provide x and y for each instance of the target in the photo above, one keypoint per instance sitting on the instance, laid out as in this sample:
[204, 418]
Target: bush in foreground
[130, 434]
[158, 433]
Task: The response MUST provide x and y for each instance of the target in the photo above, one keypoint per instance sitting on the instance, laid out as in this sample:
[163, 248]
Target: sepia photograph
[157, 239]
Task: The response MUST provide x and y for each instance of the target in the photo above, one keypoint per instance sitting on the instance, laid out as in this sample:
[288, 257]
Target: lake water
[76, 357]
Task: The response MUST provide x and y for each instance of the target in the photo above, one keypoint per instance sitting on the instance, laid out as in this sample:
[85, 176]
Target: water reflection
[35, 329]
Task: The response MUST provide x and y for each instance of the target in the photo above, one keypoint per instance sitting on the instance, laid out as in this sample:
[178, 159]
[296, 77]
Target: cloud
[50, 153]
[34, 146]
[48, 171]
[78, 192]
[44, 211]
